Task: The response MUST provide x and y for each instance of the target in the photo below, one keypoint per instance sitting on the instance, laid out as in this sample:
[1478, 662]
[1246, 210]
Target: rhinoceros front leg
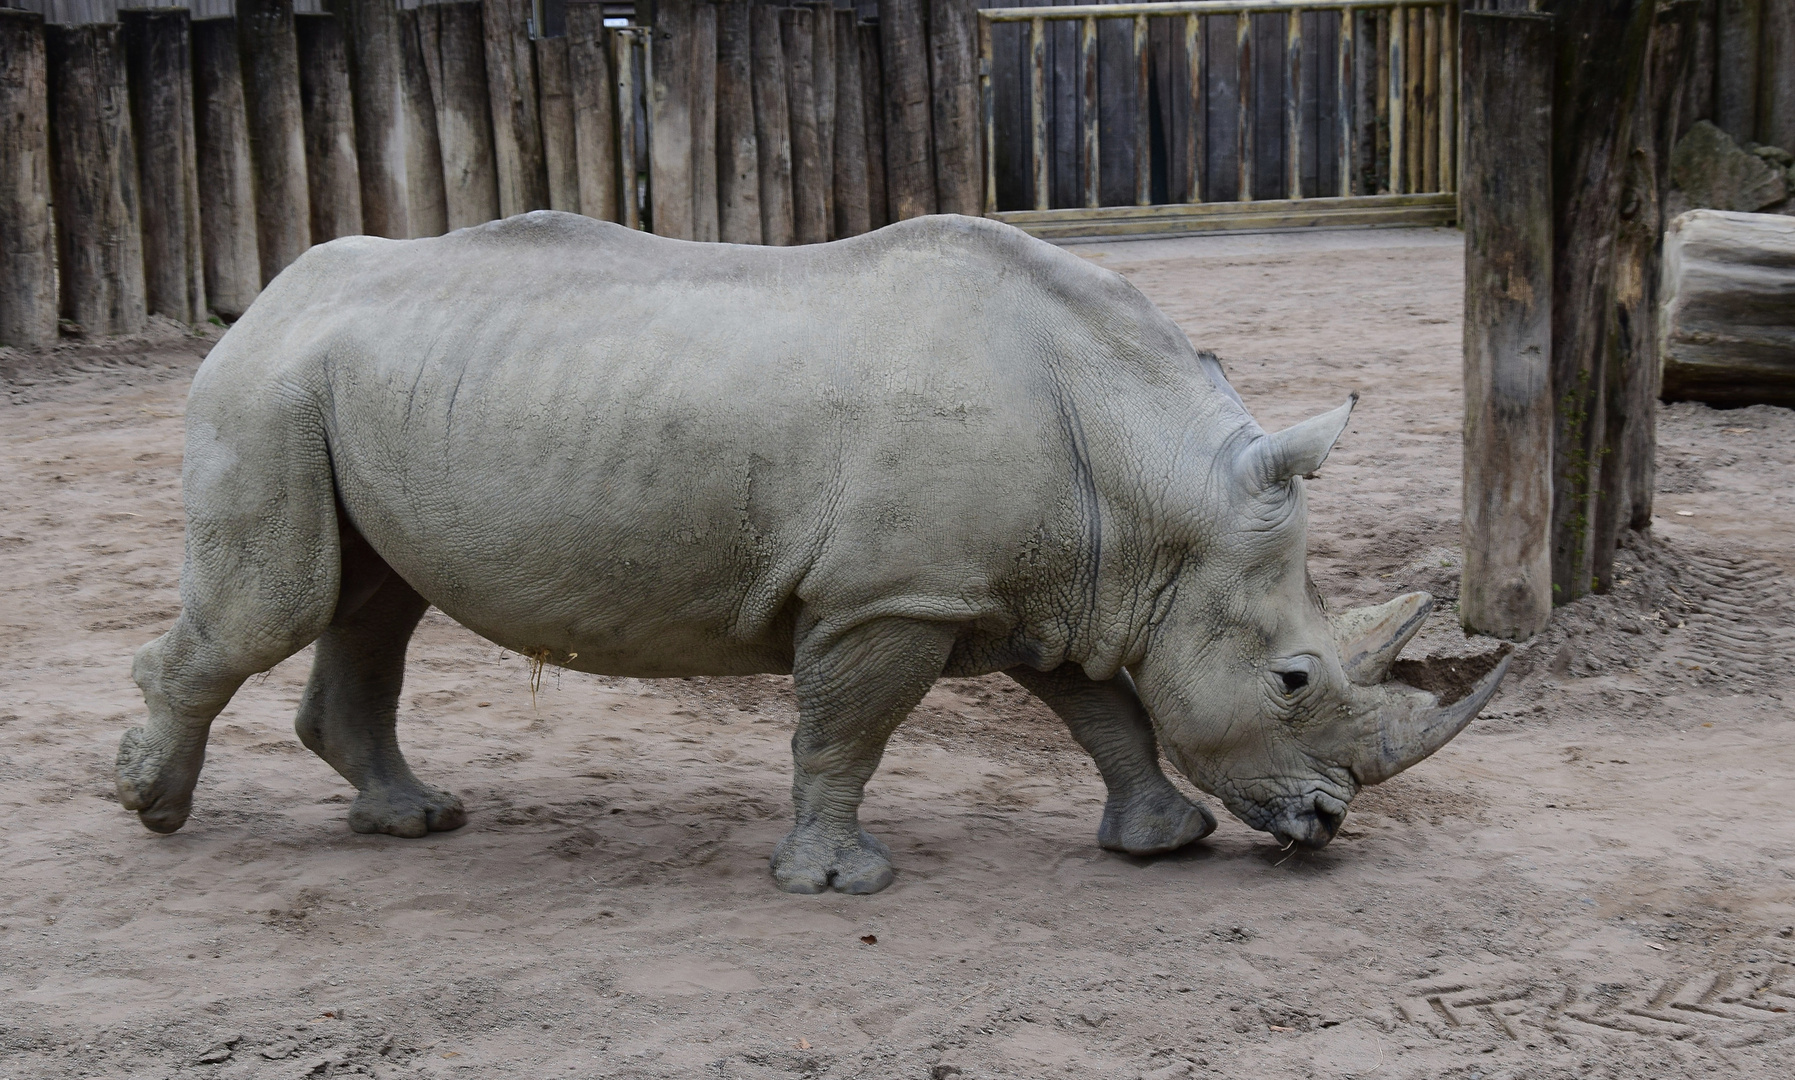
[351, 704]
[1145, 814]
[853, 690]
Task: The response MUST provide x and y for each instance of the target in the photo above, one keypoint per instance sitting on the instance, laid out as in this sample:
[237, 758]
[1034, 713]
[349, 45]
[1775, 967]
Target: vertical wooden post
[1143, 115]
[516, 122]
[454, 46]
[1040, 167]
[1776, 76]
[872, 99]
[1293, 105]
[1195, 152]
[1739, 30]
[670, 118]
[810, 175]
[426, 196]
[822, 81]
[377, 90]
[851, 216]
[227, 213]
[1345, 100]
[554, 87]
[706, 225]
[1090, 154]
[738, 152]
[159, 73]
[772, 126]
[628, 62]
[269, 54]
[99, 242]
[594, 80]
[909, 151]
[27, 254]
[954, 78]
[330, 166]
[1506, 207]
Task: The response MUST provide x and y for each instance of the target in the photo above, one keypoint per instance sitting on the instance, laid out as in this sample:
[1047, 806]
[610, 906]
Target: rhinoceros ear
[1273, 459]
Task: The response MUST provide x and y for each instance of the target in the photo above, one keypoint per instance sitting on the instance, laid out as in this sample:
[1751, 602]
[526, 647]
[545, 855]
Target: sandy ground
[1598, 879]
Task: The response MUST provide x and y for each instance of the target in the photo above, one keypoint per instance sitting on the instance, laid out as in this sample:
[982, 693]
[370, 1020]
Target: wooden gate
[1131, 119]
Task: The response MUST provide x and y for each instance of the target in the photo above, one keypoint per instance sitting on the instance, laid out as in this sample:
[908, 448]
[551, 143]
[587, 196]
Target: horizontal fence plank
[1358, 210]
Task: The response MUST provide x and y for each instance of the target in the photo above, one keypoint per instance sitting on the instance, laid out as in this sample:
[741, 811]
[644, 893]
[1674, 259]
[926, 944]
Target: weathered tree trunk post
[159, 72]
[227, 213]
[269, 51]
[376, 81]
[99, 241]
[27, 252]
[594, 81]
[909, 149]
[1506, 207]
[851, 217]
[772, 127]
[705, 222]
[426, 197]
[810, 174]
[516, 124]
[872, 100]
[738, 152]
[332, 175]
[1776, 77]
[555, 87]
[822, 81]
[454, 40]
[670, 118]
[953, 65]
[1739, 30]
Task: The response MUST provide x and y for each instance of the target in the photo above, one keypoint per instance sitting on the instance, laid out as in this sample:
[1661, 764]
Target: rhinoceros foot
[411, 811]
[1153, 821]
[809, 860]
[156, 779]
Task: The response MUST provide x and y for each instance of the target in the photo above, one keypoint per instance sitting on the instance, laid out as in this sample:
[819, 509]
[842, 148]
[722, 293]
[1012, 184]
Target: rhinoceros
[940, 449]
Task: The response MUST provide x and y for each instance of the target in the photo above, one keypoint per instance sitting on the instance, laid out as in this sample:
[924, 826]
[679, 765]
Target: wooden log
[554, 87]
[772, 127]
[93, 161]
[1728, 324]
[454, 46]
[811, 175]
[516, 121]
[269, 54]
[670, 119]
[377, 94]
[332, 175]
[426, 196]
[909, 142]
[738, 152]
[1633, 366]
[953, 75]
[1739, 38]
[872, 93]
[822, 81]
[227, 213]
[1776, 76]
[851, 213]
[159, 74]
[594, 80]
[27, 244]
[1506, 208]
[703, 58]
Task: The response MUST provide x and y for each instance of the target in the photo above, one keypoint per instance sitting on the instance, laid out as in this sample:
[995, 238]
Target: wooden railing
[1379, 104]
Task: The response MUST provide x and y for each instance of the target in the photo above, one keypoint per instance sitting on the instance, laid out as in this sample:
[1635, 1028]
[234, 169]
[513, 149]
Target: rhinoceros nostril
[1329, 815]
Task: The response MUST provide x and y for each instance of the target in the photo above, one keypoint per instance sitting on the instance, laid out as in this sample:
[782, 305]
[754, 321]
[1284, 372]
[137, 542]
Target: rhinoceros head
[1259, 696]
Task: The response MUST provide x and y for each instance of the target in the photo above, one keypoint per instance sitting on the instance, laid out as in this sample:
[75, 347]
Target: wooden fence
[1172, 117]
[161, 164]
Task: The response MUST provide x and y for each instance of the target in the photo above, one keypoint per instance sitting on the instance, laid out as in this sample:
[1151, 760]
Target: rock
[943, 1071]
[279, 1049]
[220, 1051]
[1714, 172]
[1177, 1070]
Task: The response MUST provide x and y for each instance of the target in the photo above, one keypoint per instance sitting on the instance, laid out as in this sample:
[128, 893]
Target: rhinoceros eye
[1294, 680]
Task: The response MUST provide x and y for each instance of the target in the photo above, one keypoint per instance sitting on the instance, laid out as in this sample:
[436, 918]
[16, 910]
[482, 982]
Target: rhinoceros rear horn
[1273, 459]
[1413, 725]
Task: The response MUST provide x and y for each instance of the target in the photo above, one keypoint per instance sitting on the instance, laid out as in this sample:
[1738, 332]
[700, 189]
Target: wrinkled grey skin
[939, 449]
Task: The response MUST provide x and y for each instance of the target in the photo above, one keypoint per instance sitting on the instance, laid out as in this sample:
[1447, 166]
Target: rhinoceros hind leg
[349, 712]
[852, 692]
[1144, 814]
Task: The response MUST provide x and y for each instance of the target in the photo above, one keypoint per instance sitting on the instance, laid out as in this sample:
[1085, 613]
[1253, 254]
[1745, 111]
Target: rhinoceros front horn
[1371, 638]
[1412, 724]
